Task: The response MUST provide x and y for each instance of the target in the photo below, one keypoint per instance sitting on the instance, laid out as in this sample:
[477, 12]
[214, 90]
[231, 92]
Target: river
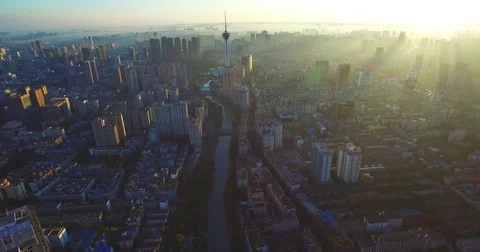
[218, 235]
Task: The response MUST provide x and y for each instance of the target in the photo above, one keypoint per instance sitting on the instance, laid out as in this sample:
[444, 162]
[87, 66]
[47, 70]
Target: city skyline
[31, 15]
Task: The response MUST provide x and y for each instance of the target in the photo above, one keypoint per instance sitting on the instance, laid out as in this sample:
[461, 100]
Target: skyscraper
[184, 49]
[227, 79]
[87, 53]
[402, 38]
[417, 64]
[442, 76]
[343, 75]
[379, 53]
[170, 119]
[243, 98]
[247, 62]
[105, 134]
[132, 79]
[164, 49]
[196, 48]
[178, 49]
[321, 163]
[365, 78]
[89, 72]
[37, 97]
[458, 75]
[132, 54]
[155, 51]
[93, 66]
[195, 131]
[348, 163]
[226, 36]
[171, 52]
[101, 53]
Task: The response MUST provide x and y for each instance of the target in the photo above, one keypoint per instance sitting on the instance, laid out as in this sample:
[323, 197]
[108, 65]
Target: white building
[348, 163]
[365, 78]
[195, 131]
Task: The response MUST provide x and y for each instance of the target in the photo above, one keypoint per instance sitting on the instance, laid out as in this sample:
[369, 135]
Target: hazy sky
[43, 14]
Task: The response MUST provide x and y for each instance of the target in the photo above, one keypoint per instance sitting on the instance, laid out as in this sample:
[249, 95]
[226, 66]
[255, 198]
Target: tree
[180, 240]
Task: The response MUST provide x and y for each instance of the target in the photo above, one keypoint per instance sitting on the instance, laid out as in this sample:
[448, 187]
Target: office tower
[38, 46]
[117, 76]
[321, 163]
[458, 75]
[105, 134]
[417, 65]
[141, 119]
[443, 73]
[379, 53]
[132, 80]
[87, 53]
[184, 49]
[138, 101]
[343, 76]
[57, 237]
[9, 65]
[195, 131]
[89, 72]
[171, 119]
[37, 97]
[178, 49]
[365, 78]
[17, 105]
[227, 79]
[226, 36]
[132, 54]
[247, 63]
[402, 38]
[423, 45]
[164, 49]
[116, 61]
[173, 94]
[155, 51]
[243, 98]
[253, 37]
[348, 163]
[21, 231]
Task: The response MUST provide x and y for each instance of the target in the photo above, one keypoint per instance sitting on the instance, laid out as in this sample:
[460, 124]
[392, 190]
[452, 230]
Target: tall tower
[226, 36]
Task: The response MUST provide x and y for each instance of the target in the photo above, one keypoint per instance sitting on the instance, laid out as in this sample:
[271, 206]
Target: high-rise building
[155, 51]
[170, 119]
[21, 231]
[348, 163]
[65, 105]
[442, 76]
[379, 53]
[164, 49]
[132, 54]
[17, 105]
[458, 75]
[243, 98]
[171, 51]
[101, 53]
[37, 97]
[183, 77]
[117, 61]
[106, 134]
[173, 93]
[402, 38]
[195, 131]
[132, 80]
[343, 75]
[417, 64]
[93, 66]
[117, 76]
[184, 49]
[38, 46]
[226, 36]
[87, 53]
[228, 79]
[321, 163]
[365, 78]
[196, 48]
[178, 49]
[201, 112]
[89, 72]
[247, 62]
[190, 49]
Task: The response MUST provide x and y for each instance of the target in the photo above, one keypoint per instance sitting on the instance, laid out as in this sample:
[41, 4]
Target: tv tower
[225, 36]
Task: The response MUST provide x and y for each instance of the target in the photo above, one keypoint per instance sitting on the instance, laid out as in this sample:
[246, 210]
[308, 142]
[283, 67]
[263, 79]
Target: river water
[218, 235]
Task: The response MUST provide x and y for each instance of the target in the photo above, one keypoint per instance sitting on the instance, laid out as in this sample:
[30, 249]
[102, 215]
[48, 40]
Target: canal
[218, 235]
